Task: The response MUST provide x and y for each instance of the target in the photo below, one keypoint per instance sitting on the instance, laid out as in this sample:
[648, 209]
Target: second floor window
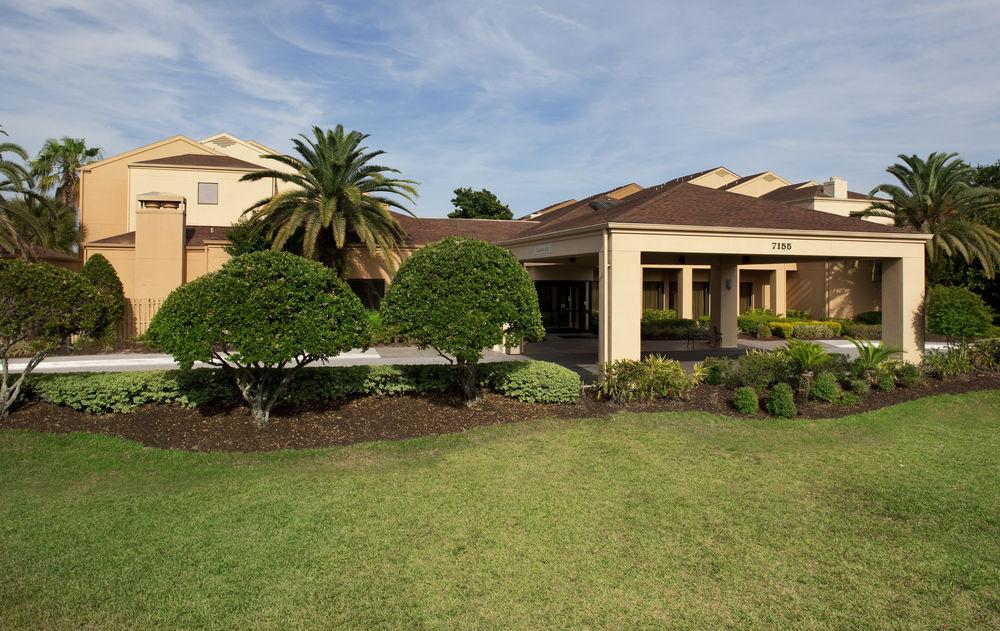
[208, 192]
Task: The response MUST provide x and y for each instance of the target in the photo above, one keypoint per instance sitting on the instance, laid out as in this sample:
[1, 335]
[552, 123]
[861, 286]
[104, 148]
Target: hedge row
[101, 393]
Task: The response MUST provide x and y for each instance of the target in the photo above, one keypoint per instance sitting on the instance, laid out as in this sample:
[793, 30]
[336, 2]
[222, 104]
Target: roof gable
[195, 146]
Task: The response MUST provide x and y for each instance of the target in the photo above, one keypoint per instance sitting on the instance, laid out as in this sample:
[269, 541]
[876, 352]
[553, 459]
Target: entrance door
[564, 305]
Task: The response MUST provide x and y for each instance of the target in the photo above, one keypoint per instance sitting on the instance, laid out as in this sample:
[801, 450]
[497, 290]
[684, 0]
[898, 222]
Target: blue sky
[537, 101]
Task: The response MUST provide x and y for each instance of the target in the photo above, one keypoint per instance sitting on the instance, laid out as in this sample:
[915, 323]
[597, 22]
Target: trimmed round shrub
[760, 369]
[259, 314]
[745, 401]
[957, 312]
[868, 317]
[40, 306]
[825, 387]
[780, 401]
[716, 370]
[99, 271]
[849, 399]
[784, 330]
[532, 381]
[908, 375]
[460, 296]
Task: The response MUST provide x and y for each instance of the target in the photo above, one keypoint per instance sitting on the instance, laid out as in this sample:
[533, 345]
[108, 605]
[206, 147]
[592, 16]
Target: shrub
[656, 377]
[760, 369]
[857, 386]
[783, 329]
[868, 317]
[797, 314]
[40, 306]
[754, 322]
[745, 401]
[908, 375]
[813, 332]
[863, 331]
[780, 401]
[258, 314]
[886, 380]
[102, 276]
[984, 355]
[670, 329]
[849, 399]
[103, 393]
[950, 362]
[825, 387]
[532, 382]
[717, 369]
[873, 360]
[806, 358]
[658, 315]
[460, 296]
[957, 312]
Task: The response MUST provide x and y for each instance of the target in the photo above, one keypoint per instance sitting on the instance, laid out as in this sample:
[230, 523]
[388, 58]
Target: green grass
[887, 519]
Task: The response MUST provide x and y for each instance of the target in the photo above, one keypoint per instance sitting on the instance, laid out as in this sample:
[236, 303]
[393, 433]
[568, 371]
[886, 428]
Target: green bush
[868, 317]
[984, 355]
[797, 314]
[716, 369]
[782, 329]
[813, 332]
[670, 329]
[258, 314]
[849, 399]
[886, 380]
[658, 315]
[949, 362]
[655, 377]
[460, 296]
[780, 401]
[745, 401]
[532, 381]
[40, 306]
[958, 313]
[858, 386]
[908, 375]
[755, 322]
[825, 387]
[99, 271]
[102, 393]
[760, 369]
[863, 331]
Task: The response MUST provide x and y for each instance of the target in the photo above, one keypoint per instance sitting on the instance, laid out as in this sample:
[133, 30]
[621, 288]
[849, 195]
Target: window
[652, 294]
[702, 299]
[746, 297]
[369, 290]
[208, 192]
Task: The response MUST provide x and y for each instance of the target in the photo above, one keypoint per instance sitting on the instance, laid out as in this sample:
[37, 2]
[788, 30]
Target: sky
[536, 101]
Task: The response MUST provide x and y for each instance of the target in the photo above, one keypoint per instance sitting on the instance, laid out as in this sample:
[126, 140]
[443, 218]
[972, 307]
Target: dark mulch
[390, 418]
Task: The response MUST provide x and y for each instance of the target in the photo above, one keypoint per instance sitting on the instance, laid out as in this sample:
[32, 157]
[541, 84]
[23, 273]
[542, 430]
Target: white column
[902, 302]
[725, 288]
[685, 292]
[779, 291]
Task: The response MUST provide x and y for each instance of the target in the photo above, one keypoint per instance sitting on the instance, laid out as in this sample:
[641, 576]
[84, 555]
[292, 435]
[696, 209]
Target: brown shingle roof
[200, 160]
[738, 181]
[428, 229]
[798, 191]
[691, 205]
[194, 236]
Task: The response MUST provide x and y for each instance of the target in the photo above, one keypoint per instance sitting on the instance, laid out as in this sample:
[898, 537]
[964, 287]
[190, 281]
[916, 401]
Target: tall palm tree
[58, 165]
[937, 196]
[338, 197]
[18, 229]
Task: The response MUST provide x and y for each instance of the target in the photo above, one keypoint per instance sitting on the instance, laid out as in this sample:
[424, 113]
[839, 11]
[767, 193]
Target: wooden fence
[138, 313]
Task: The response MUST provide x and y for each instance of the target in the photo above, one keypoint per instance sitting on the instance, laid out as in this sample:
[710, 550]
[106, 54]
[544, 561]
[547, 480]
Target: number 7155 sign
[781, 245]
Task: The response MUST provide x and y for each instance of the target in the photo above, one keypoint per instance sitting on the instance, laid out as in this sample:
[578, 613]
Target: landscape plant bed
[364, 419]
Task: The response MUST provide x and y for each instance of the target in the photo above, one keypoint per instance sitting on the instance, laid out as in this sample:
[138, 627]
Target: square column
[902, 306]
[621, 304]
[685, 292]
[778, 290]
[725, 290]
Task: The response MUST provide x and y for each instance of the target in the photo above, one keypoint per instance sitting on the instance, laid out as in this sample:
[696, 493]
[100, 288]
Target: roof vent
[224, 141]
[601, 204]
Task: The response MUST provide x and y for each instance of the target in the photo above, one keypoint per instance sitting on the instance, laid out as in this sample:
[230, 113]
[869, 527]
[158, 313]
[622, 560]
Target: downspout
[604, 323]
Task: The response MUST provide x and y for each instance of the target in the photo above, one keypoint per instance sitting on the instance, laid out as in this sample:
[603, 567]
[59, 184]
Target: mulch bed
[390, 418]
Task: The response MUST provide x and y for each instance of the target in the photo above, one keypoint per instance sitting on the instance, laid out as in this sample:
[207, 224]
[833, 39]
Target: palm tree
[937, 196]
[58, 165]
[337, 198]
[18, 229]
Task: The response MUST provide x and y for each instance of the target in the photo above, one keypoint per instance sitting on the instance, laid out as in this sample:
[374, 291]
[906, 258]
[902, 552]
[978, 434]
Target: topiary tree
[99, 271]
[40, 306]
[957, 313]
[262, 317]
[460, 296]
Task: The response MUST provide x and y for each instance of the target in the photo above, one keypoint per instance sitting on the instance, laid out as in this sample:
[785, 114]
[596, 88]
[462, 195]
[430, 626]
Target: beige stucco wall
[760, 185]
[234, 196]
[834, 289]
[715, 179]
[105, 205]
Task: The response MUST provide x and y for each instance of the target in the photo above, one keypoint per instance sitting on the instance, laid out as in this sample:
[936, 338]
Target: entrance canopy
[685, 224]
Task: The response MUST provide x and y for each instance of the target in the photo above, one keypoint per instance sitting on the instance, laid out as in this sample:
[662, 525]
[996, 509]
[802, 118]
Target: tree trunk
[805, 387]
[10, 388]
[467, 381]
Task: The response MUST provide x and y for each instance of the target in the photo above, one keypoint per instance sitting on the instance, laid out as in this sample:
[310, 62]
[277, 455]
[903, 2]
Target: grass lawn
[886, 519]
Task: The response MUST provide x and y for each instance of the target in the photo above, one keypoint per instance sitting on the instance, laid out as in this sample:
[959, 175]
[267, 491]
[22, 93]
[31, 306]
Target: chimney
[159, 245]
[835, 187]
